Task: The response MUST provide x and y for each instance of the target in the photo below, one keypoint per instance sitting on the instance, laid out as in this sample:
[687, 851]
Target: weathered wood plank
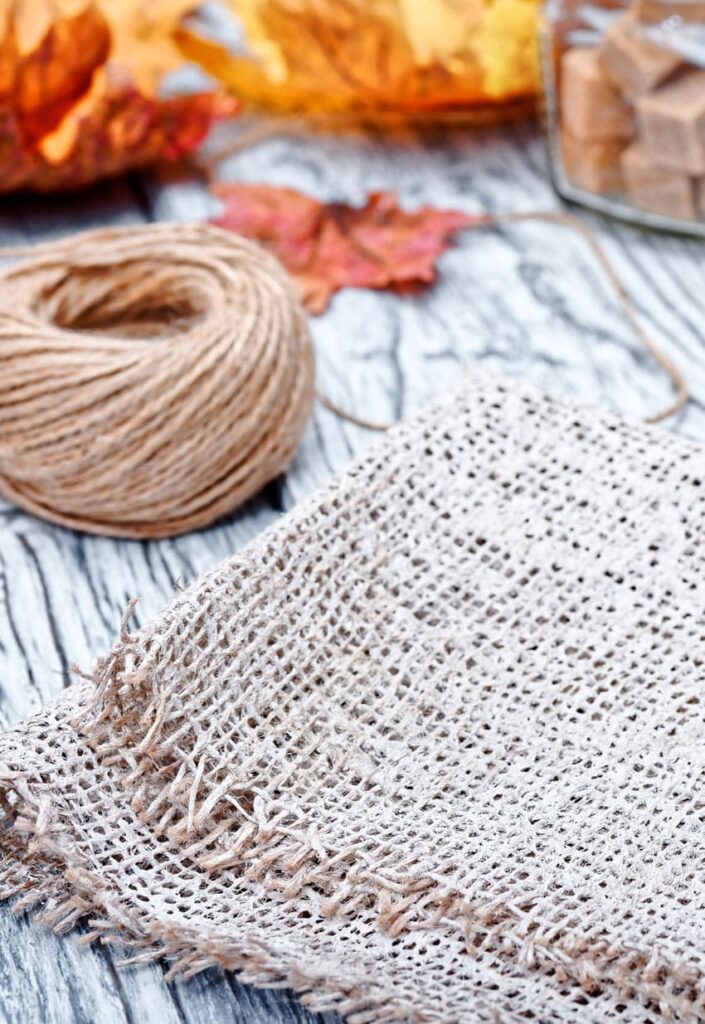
[527, 300]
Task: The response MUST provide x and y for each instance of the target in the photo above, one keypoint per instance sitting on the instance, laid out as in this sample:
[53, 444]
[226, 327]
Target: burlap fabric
[430, 749]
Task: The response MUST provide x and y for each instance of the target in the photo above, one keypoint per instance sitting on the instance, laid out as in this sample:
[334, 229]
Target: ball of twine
[151, 378]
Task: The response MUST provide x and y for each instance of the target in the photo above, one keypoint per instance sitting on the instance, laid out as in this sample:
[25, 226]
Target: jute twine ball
[151, 378]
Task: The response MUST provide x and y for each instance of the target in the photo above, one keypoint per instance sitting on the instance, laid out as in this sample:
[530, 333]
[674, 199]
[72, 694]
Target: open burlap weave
[430, 749]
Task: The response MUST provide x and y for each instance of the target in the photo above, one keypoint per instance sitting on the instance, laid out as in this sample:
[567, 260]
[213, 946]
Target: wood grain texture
[527, 300]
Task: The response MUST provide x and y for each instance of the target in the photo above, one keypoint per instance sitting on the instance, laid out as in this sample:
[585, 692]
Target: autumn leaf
[327, 247]
[143, 34]
[41, 79]
[377, 56]
[79, 87]
[507, 49]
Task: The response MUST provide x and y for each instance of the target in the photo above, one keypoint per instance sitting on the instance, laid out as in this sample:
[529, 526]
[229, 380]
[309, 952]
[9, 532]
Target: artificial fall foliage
[378, 56]
[326, 247]
[79, 83]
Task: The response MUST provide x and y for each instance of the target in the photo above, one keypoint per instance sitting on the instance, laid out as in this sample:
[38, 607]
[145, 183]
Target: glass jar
[625, 95]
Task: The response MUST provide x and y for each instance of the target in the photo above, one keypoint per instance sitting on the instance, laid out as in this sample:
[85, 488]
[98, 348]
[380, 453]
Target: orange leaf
[41, 86]
[122, 129]
[333, 246]
[376, 57]
[78, 81]
[143, 36]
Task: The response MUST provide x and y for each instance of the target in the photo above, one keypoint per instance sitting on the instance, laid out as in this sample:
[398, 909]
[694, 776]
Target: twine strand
[257, 131]
[680, 386]
[678, 380]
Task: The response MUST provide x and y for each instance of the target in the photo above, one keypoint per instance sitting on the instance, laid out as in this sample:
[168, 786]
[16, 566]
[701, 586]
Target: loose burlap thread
[429, 749]
[153, 378]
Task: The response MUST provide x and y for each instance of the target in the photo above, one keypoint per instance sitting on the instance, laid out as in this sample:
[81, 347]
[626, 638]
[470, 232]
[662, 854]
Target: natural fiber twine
[152, 378]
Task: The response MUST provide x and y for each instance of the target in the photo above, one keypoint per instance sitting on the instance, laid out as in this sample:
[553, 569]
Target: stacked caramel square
[633, 114]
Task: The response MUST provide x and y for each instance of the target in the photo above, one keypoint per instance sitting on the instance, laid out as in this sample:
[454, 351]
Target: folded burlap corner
[428, 749]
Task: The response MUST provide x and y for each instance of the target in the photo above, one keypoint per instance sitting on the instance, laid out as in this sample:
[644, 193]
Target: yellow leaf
[377, 56]
[143, 36]
[507, 50]
[441, 32]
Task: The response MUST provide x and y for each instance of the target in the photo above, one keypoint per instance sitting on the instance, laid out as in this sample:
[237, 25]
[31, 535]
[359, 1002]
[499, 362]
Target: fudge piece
[593, 166]
[591, 107]
[657, 189]
[655, 11]
[632, 61]
[672, 123]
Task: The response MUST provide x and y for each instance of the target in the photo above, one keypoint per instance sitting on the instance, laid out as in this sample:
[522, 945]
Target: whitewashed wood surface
[527, 300]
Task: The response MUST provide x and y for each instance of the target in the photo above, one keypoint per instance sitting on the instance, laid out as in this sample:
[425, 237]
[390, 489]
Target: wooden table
[527, 300]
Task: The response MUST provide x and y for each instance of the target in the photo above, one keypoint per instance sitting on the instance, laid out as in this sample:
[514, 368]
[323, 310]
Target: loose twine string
[256, 131]
[154, 378]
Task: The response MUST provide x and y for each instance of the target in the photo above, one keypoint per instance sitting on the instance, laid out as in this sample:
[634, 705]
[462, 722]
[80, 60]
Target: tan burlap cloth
[430, 749]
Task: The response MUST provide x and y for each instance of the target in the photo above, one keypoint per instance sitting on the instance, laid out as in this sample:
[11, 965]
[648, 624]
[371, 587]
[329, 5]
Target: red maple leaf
[331, 246]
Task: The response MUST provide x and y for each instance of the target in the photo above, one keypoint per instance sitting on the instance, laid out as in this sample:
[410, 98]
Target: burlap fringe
[74, 896]
[404, 900]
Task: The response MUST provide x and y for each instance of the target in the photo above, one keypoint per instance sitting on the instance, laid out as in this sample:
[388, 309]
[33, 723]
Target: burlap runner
[429, 749]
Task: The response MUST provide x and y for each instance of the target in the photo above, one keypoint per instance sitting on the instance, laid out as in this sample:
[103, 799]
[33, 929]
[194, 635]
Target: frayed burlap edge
[57, 894]
[676, 990]
[38, 875]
